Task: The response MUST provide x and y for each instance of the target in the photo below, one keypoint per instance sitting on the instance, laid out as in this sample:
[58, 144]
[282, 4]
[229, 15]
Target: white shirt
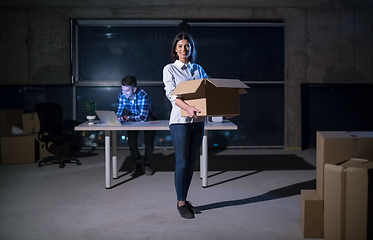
[173, 74]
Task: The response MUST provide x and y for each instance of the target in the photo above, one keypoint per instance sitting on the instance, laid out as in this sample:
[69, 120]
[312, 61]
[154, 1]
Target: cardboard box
[10, 118]
[30, 123]
[348, 213]
[17, 148]
[312, 214]
[335, 146]
[213, 97]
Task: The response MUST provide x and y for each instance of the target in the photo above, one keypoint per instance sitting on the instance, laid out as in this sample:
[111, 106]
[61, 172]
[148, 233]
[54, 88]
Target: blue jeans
[187, 141]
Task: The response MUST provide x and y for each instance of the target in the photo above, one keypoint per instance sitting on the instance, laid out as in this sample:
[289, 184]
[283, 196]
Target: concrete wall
[326, 41]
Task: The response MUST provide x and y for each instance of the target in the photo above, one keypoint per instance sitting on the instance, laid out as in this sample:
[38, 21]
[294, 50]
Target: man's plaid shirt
[140, 107]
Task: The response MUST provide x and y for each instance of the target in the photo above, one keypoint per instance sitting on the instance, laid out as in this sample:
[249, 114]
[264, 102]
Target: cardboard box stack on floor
[15, 148]
[30, 123]
[25, 147]
[333, 148]
[213, 97]
[348, 203]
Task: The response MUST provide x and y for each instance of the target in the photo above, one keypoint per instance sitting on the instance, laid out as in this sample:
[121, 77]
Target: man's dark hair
[129, 81]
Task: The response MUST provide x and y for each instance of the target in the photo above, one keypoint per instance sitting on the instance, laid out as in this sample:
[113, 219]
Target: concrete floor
[252, 194]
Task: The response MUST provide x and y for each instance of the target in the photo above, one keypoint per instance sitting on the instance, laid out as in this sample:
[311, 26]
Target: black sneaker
[137, 172]
[192, 208]
[184, 211]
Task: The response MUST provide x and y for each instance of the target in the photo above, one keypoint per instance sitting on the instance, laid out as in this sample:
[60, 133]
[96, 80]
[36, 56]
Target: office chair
[51, 131]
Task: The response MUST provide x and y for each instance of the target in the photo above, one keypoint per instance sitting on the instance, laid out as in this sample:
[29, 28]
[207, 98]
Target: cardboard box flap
[358, 163]
[241, 91]
[187, 87]
[227, 83]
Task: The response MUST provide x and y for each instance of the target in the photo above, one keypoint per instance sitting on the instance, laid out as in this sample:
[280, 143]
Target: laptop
[108, 118]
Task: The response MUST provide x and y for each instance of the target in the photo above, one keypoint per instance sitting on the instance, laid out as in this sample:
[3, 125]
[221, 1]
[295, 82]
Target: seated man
[138, 103]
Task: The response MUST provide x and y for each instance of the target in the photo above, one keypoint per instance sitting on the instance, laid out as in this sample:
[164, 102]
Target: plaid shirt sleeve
[120, 105]
[140, 108]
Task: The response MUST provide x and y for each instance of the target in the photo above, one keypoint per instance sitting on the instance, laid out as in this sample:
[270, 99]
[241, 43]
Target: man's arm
[120, 108]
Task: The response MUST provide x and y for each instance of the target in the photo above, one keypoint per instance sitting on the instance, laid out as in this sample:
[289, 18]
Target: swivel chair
[51, 131]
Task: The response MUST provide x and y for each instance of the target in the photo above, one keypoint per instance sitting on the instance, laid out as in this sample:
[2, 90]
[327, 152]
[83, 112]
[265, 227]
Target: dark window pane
[110, 53]
[241, 52]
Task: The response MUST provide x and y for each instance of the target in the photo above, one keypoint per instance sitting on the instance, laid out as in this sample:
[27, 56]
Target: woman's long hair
[193, 52]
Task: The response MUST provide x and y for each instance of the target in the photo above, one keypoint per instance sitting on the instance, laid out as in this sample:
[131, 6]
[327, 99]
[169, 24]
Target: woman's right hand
[192, 112]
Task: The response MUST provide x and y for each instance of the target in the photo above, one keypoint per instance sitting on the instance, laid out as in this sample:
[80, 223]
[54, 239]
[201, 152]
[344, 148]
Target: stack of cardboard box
[25, 147]
[338, 208]
[15, 148]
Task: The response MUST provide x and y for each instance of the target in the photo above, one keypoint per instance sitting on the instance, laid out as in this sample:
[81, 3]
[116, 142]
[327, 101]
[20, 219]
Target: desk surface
[152, 125]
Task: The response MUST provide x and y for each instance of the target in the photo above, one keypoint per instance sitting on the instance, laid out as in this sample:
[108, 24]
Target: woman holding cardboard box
[186, 132]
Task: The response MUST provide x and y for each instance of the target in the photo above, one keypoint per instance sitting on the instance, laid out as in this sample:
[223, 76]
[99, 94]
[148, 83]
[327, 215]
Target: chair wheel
[78, 163]
[40, 165]
[62, 165]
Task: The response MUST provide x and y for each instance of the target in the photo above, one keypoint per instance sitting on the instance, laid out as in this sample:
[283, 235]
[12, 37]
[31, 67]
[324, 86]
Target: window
[105, 51]
[245, 51]
[109, 50]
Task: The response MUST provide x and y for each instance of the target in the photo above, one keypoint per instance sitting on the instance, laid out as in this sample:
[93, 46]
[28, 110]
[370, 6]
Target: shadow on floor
[283, 192]
[81, 154]
[125, 181]
[229, 180]
[224, 163]
[166, 163]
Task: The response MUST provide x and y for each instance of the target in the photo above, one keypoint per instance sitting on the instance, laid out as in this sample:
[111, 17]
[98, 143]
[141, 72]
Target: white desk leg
[201, 164]
[114, 149]
[107, 161]
[204, 160]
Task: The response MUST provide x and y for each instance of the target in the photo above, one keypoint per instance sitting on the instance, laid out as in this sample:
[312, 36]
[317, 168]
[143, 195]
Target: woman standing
[186, 132]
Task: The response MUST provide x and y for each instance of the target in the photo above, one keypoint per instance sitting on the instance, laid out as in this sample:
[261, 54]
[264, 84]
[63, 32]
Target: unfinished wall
[326, 41]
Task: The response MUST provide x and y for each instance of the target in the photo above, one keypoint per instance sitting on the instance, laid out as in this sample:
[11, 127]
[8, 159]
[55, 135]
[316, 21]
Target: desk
[151, 125]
